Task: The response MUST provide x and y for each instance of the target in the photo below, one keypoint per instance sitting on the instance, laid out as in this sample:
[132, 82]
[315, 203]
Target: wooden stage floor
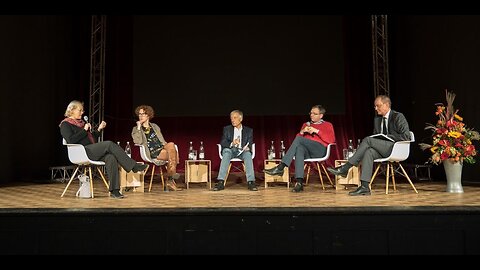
[430, 194]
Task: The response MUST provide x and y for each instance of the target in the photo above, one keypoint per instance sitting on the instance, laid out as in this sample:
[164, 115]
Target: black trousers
[113, 155]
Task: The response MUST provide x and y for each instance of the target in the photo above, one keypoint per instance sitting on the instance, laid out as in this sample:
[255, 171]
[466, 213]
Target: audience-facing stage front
[35, 220]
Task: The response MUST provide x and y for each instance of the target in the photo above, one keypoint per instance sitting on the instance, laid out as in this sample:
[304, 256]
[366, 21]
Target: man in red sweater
[310, 142]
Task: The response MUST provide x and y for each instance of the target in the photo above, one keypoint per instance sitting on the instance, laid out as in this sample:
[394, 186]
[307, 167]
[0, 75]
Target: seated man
[310, 142]
[388, 122]
[236, 137]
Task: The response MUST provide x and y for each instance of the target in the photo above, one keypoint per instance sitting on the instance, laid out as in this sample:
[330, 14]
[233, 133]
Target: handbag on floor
[84, 190]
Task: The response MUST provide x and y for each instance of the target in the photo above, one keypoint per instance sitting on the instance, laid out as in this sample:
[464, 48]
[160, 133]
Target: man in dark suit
[388, 122]
[235, 139]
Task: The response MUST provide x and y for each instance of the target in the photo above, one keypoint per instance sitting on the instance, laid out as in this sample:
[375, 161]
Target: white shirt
[237, 134]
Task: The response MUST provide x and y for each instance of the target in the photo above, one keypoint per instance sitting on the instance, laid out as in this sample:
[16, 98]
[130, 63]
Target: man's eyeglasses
[142, 114]
[314, 113]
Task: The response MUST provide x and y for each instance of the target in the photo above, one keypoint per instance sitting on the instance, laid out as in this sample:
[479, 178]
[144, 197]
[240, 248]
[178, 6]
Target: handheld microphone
[86, 120]
[308, 124]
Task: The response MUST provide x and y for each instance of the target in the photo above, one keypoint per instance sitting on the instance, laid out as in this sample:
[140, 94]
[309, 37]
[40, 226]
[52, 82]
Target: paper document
[382, 137]
[243, 149]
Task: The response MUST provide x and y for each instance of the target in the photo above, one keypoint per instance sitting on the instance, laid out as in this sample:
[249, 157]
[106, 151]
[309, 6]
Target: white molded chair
[143, 155]
[400, 152]
[319, 161]
[252, 149]
[78, 156]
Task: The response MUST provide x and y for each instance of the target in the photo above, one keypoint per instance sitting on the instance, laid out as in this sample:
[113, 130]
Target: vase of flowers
[451, 143]
[453, 171]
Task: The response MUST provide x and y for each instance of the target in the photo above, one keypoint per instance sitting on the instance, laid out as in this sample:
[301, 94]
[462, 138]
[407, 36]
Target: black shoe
[252, 186]
[274, 171]
[297, 188]
[139, 167]
[219, 186]
[360, 191]
[341, 171]
[116, 194]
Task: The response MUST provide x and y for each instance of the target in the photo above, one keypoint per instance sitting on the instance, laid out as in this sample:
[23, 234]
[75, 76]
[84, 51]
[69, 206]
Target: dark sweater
[74, 134]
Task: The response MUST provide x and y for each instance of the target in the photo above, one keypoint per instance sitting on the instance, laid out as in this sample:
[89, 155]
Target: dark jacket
[227, 137]
[398, 128]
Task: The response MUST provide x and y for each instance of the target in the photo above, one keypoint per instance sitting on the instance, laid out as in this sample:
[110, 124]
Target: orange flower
[451, 138]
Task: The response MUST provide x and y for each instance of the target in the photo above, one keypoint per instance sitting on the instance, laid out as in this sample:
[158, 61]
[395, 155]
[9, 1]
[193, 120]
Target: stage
[35, 220]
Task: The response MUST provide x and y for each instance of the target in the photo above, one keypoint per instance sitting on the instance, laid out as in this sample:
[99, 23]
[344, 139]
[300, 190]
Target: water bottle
[350, 148]
[201, 152]
[128, 150]
[190, 152]
[282, 149]
[271, 152]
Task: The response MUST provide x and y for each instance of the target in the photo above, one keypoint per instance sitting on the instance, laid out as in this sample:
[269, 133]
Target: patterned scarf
[80, 124]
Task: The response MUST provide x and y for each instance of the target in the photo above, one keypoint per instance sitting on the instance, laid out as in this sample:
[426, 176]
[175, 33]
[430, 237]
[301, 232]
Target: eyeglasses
[142, 114]
[80, 110]
[314, 113]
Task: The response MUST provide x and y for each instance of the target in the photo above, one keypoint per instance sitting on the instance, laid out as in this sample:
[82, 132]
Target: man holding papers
[389, 127]
[310, 142]
[235, 143]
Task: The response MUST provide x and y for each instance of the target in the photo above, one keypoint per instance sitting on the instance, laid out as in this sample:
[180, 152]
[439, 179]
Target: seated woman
[75, 130]
[149, 135]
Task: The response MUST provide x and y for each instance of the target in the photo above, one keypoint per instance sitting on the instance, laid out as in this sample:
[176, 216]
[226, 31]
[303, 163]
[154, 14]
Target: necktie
[384, 126]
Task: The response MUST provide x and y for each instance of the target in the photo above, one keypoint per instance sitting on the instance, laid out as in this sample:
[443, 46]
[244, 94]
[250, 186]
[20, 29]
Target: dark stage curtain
[356, 123]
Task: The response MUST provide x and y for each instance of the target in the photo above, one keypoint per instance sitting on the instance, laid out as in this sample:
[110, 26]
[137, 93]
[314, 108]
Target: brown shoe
[171, 185]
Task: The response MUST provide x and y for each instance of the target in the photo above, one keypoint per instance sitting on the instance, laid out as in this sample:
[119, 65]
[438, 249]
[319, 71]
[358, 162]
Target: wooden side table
[198, 171]
[353, 176]
[270, 163]
[131, 180]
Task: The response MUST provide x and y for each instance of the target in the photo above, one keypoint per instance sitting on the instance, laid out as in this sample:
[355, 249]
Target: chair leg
[151, 178]
[387, 178]
[103, 178]
[163, 180]
[245, 171]
[226, 176]
[373, 176]
[308, 172]
[393, 177]
[71, 179]
[320, 174]
[408, 178]
[328, 176]
[91, 180]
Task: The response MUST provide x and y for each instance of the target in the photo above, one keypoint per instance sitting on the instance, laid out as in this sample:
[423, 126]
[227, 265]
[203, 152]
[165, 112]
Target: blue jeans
[227, 155]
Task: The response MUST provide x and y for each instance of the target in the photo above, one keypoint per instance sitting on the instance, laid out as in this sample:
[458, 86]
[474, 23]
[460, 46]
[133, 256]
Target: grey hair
[239, 113]
[72, 106]
[385, 99]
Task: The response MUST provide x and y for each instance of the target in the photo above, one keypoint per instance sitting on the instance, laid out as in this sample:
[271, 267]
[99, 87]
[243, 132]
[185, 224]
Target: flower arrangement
[451, 138]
